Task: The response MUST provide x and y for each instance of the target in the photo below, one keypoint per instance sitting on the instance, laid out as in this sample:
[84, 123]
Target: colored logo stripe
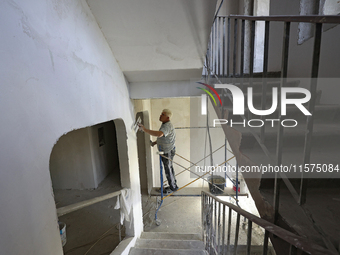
[208, 86]
[209, 94]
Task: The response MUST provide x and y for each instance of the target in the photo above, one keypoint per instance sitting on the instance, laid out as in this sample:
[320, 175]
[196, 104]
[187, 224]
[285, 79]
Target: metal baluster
[119, 232]
[310, 119]
[210, 51]
[211, 225]
[251, 58]
[249, 236]
[223, 49]
[235, 49]
[242, 52]
[215, 220]
[237, 230]
[223, 230]
[228, 49]
[292, 250]
[218, 46]
[219, 228]
[284, 68]
[229, 229]
[264, 79]
[202, 214]
[212, 47]
[265, 243]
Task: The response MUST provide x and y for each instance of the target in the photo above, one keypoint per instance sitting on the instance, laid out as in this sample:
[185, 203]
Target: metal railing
[226, 55]
[77, 206]
[217, 231]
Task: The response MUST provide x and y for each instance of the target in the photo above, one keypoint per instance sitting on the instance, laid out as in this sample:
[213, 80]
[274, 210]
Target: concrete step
[156, 251]
[170, 236]
[169, 244]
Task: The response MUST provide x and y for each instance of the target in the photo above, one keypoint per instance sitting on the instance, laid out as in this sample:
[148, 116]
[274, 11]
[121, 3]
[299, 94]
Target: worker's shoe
[175, 189]
[166, 190]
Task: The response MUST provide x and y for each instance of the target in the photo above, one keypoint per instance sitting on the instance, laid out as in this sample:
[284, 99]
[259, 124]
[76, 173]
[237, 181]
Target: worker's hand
[141, 127]
[153, 144]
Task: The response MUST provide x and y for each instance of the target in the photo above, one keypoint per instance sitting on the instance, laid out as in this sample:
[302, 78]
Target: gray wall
[78, 162]
[71, 161]
[105, 157]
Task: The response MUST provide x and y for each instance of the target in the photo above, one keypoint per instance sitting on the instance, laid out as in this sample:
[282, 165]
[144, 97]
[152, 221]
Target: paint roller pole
[158, 222]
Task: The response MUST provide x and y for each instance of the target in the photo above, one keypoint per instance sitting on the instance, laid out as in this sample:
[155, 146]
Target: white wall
[57, 74]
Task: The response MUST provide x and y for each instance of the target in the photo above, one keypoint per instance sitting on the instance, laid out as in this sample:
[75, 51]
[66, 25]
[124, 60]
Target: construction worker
[166, 143]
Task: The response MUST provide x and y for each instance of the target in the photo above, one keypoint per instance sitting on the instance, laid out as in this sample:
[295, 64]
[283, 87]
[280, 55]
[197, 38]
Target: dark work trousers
[169, 170]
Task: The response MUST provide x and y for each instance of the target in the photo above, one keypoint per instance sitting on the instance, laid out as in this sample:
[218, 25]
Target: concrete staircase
[158, 243]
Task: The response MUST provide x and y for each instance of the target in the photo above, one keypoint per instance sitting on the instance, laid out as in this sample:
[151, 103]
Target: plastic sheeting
[124, 204]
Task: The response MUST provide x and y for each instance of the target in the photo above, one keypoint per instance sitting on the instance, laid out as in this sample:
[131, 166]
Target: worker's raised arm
[151, 132]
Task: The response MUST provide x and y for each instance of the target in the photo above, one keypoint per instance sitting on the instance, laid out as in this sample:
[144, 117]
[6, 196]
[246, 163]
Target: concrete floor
[92, 230]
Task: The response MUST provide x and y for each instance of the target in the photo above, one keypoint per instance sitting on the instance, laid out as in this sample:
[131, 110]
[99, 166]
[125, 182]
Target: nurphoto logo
[239, 102]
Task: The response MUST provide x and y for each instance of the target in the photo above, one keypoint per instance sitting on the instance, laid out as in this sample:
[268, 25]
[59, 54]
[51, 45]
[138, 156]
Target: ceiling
[156, 40]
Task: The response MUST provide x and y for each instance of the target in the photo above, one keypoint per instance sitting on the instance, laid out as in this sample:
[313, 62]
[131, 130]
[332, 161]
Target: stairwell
[317, 218]
[302, 202]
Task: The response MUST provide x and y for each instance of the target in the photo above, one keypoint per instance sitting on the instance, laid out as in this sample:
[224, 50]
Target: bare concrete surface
[92, 230]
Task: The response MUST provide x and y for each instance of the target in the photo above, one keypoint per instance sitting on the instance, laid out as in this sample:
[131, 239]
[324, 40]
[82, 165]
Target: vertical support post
[213, 47]
[215, 225]
[243, 31]
[225, 158]
[210, 52]
[229, 229]
[252, 56]
[310, 119]
[223, 49]
[219, 229]
[228, 49]
[264, 78]
[279, 145]
[119, 232]
[211, 224]
[265, 243]
[223, 230]
[249, 236]
[292, 250]
[237, 230]
[235, 48]
[216, 47]
[202, 213]
[218, 72]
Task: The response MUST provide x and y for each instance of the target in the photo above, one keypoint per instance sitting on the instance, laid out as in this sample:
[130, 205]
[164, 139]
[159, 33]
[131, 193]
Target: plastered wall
[57, 74]
[71, 162]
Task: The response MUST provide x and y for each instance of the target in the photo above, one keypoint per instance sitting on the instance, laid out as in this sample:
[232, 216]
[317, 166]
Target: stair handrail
[291, 18]
[292, 239]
